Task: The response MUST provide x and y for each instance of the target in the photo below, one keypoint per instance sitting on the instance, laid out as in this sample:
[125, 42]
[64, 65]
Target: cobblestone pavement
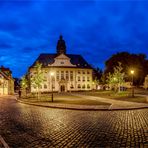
[25, 126]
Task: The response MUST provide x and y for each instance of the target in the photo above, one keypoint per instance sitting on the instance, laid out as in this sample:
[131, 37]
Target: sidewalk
[111, 104]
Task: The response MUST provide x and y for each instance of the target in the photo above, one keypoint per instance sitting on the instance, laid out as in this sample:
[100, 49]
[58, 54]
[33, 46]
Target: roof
[4, 75]
[6, 72]
[46, 59]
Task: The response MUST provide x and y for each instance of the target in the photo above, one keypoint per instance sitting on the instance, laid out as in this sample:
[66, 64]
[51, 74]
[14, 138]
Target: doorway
[62, 88]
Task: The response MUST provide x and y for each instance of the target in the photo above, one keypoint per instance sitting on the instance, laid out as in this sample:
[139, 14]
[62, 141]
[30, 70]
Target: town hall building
[63, 72]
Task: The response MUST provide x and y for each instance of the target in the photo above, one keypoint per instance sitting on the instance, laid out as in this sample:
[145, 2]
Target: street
[29, 126]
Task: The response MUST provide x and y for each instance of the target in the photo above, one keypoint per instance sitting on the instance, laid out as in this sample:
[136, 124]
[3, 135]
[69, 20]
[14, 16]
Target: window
[45, 86]
[83, 86]
[57, 75]
[79, 78]
[62, 74]
[62, 62]
[79, 86]
[88, 79]
[71, 86]
[45, 78]
[88, 72]
[83, 78]
[34, 87]
[67, 75]
[88, 86]
[79, 72]
[83, 72]
[71, 75]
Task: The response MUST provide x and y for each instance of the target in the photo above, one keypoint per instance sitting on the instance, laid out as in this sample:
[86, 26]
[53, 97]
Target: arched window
[79, 86]
[88, 86]
[83, 86]
[71, 86]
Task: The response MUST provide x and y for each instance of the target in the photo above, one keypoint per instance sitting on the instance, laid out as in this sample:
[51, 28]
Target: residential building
[146, 82]
[6, 81]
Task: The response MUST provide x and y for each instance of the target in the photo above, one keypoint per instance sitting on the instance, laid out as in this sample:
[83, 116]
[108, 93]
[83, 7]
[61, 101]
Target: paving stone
[26, 126]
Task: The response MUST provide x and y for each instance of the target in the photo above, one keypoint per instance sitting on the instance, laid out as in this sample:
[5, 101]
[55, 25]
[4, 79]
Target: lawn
[123, 96]
[66, 98]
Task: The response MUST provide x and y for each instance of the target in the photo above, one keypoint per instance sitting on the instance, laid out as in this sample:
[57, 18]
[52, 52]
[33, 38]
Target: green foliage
[24, 82]
[103, 79]
[37, 78]
[116, 79]
[138, 62]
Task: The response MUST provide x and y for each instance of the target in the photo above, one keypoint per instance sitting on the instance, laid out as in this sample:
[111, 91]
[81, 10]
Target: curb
[82, 109]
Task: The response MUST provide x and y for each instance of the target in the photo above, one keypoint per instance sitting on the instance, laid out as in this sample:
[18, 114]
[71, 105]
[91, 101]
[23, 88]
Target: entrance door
[62, 88]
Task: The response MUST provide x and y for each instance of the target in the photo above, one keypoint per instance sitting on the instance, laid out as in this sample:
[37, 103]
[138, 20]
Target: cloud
[94, 29]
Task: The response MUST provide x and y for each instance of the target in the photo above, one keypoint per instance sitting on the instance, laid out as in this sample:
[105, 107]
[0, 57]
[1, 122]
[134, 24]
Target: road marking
[3, 142]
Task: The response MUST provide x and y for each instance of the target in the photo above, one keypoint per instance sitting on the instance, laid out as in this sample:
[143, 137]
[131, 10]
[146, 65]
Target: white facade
[64, 79]
[146, 82]
[3, 85]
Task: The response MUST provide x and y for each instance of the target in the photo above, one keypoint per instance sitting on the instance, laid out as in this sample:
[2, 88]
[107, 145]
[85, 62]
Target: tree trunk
[38, 93]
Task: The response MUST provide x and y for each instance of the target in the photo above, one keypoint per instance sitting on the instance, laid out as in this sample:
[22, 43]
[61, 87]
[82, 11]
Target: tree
[24, 84]
[37, 78]
[116, 79]
[16, 84]
[129, 61]
[97, 74]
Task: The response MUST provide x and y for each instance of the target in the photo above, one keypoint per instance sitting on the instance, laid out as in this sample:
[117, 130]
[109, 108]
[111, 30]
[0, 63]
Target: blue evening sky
[96, 29]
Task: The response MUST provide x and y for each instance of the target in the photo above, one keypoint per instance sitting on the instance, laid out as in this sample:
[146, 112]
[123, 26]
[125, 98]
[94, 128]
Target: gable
[63, 61]
[62, 56]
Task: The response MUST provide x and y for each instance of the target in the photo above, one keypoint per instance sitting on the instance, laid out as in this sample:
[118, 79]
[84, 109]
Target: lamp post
[52, 74]
[132, 73]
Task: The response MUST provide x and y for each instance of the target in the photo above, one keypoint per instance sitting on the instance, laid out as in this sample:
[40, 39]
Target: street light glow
[132, 72]
[51, 73]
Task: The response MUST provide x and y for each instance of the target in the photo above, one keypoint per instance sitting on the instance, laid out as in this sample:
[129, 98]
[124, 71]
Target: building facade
[6, 81]
[63, 72]
[146, 82]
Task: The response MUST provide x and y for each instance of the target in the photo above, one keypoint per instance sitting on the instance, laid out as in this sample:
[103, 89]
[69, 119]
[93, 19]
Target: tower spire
[61, 47]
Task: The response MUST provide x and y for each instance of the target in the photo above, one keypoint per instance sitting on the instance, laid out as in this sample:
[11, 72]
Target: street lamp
[132, 73]
[52, 74]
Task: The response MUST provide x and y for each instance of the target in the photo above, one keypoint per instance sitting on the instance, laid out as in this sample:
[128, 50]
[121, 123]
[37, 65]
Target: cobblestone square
[29, 126]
